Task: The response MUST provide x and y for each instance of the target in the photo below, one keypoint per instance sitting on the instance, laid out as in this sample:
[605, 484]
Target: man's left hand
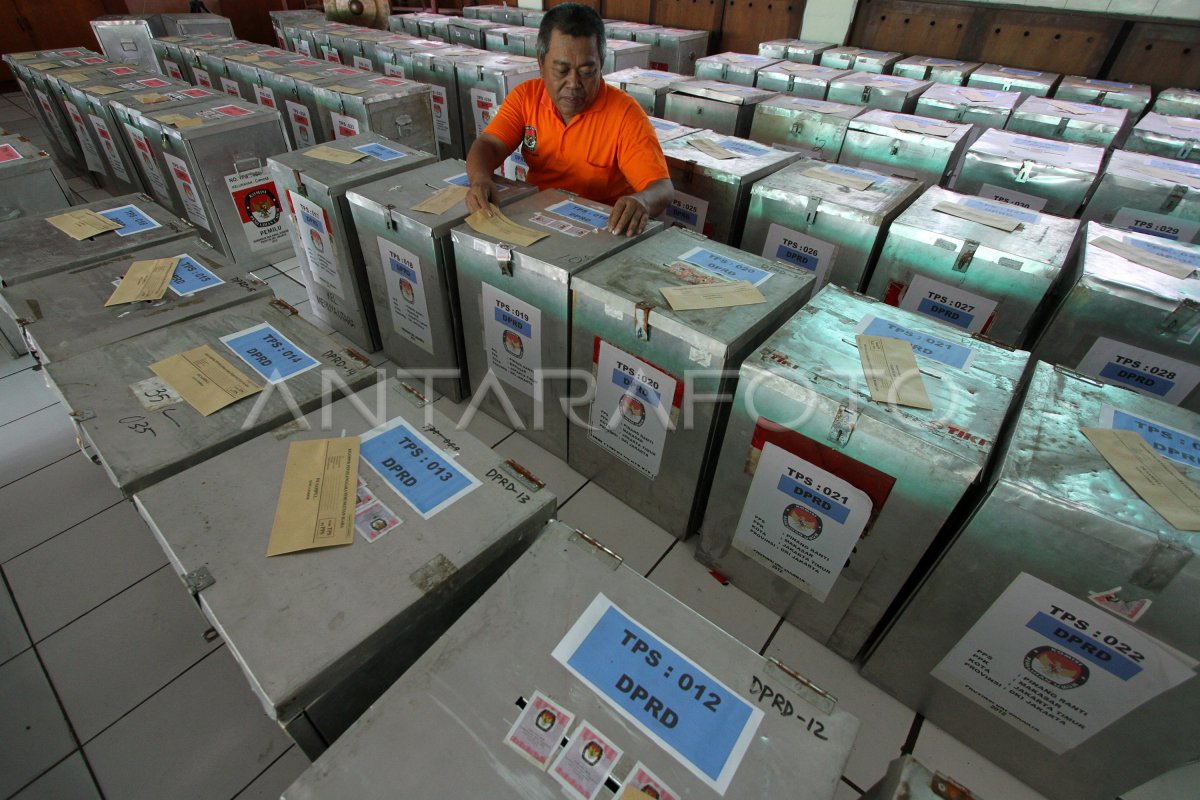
[629, 216]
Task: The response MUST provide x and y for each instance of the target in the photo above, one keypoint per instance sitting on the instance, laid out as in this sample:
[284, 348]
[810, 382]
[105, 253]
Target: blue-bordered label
[951, 316]
[380, 151]
[931, 347]
[1179, 255]
[417, 470]
[131, 219]
[1001, 209]
[591, 217]
[1136, 378]
[632, 386]
[744, 147]
[724, 266]
[459, 180]
[514, 323]
[269, 353]
[1086, 647]
[1171, 443]
[191, 276]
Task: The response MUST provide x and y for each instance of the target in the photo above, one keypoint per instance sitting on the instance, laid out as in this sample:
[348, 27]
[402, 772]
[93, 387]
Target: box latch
[843, 426]
[966, 255]
[1026, 172]
[1176, 194]
[1182, 319]
[641, 320]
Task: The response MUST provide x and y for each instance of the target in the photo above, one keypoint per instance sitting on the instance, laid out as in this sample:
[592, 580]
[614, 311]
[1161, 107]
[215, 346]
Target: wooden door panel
[1161, 55]
[745, 23]
[699, 15]
[914, 28]
[629, 10]
[1067, 43]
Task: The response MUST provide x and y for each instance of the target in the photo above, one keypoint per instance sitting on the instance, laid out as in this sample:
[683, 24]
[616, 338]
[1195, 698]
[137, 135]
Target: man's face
[571, 70]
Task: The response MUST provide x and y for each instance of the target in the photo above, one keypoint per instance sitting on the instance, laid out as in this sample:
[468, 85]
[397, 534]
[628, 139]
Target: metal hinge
[526, 478]
[1177, 194]
[198, 580]
[597, 548]
[949, 789]
[810, 210]
[814, 695]
[1182, 319]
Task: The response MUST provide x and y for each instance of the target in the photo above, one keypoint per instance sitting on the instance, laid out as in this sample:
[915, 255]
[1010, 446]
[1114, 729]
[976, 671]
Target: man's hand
[480, 196]
[485, 156]
[629, 216]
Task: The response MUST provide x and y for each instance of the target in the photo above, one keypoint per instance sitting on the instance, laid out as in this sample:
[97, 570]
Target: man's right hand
[480, 196]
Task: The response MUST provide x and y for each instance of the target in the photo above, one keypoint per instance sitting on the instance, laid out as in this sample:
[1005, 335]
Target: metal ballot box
[517, 306]
[1028, 82]
[56, 86]
[322, 230]
[381, 51]
[738, 68]
[215, 154]
[437, 69]
[795, 50]
[1145, 193]
[483, 83]
[620, 54]
[409, 262]
[357, 616]
[1021, 644]
[216, 63]
[648, 87]
[357, 49]
[396, 55]
[305, 40]
[812, 128]
[327, 41]
[243, 73]
[1170, 137]
[887, 92]
[126, 38]
[718, 106]
[1132, 317]
[1178, 103]
[434, 26]
[505, 14]
[193, 63]
[476, 12]
[828, 500]
[138, 443]
[47, 109]
[507, 39]
[92, 100]
[799, 79]
[666, 130]
[292, 92]
[556, 608]
[532, 18]
[30, 181]
[627, 31]
[909, 779]
[653, 365]
[1132, 96]
[810, 203]
[33, 248]
[711, 193]
[1028, 172]
[909, 146]
[395, 108]
[1068, 121]
[954, 259]
[409, 23]
[63, 315]
[470, 32]
[938, 70]
[282, 20]
[987, 108]
[860, 60]
[674, 49]
[197, 24]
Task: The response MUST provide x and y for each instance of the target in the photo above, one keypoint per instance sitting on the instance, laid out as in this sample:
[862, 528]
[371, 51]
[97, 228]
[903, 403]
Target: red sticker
[154, 83]
[232, 111]
[92, 60]
[389, 81]
[9, 153]
[196, 93]
[122, 70]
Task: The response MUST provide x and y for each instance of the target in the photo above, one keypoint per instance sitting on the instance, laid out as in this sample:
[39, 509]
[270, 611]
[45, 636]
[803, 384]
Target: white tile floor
[112, 684]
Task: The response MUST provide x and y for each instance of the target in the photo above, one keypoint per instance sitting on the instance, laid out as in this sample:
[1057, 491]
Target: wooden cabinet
[1073, 44]
[745, 23]
[914, 28]
[38, 25]
[1160, 54]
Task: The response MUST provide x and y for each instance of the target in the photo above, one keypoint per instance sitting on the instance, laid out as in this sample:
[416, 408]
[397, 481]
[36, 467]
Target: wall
[168, 6]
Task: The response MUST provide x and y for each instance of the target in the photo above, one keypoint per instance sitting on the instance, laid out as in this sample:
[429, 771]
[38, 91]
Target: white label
[394, 70]
[230, 87]
[203, 79]
[110, 148]
[483, 107]
[686, 211]
[301, 122]
[265, 96]
[1146, 372]
[90, 154]
[1056, 668]
[331, 54]
[257, 202]
[441, 112]
[343, 126]
[188, 192]
[145, 157]
[316, 240]
[406, 294]
[512, 337]
[364, 64]
[801, 251]
[1180, 230]
[48, 110]
[173, 69]
[1012, 197]
[303, 47]
[800, 521]
[632, 410]
[949, 304]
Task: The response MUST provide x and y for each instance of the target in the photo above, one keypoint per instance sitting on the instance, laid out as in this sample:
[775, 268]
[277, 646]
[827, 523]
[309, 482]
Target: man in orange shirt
[576, 133]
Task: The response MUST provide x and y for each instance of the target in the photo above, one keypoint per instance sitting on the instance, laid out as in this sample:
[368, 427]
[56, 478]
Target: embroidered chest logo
[530, 140]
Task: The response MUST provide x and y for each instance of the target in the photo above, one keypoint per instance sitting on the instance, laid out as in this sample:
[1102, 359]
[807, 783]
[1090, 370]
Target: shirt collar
[598, 103]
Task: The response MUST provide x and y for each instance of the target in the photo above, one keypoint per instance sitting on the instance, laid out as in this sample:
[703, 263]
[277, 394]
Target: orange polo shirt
[608, 151]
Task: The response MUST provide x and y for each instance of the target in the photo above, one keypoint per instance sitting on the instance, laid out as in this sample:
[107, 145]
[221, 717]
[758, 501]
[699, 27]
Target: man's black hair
[571, 19]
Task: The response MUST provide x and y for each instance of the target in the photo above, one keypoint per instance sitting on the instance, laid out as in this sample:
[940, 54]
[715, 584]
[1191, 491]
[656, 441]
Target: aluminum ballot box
[394, 108]
[860, 60]
[717, 106]
[664, 129]
[127, 37]
[674, 49]
[738, 68]
[63, 315]
[1170, 137]
[292, 92]
[1069, 121]
[795, 50]
[483, 83]
[409, 262]
[712, 193]
[978, 265]
[1028, 82]
[987, 108]
[314, 189]
[938, 70]
[111, 392]
[1028, 172]
[1178, 103]
[1132, 96]
[558, 622]
[812, 128]
[517, 306]
[802, 80]
[471, 32]
[215, 154]
[1022, 642]
[358, 615]
[888, 92]
[1149, 194]
[914, 147]
[661, 374]
[620, 54]
[507, 39]
[626, 31]
[812, 209]
[1133, 316]
[437, 69]
[30, 181]
[93, 100]
[827, 500]
[648, 87]
[197, 24]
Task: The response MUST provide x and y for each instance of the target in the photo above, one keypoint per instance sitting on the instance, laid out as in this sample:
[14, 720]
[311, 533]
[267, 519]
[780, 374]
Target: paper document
[317, 499]
[206, 380]
[82, 224]
[326, 153]
[978, 215]
[503, 228]
[839, 177]
[712, 295]
[891, 372]
[1150, 475]
[1176, 269]
[144, 280]
[442, 200]
[712, 149]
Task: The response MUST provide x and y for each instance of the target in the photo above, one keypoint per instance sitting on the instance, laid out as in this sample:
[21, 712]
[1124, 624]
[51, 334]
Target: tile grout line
[586, 481]
[286, 750]
[102, 602]
[666, 553]
[771, 636]
[31, 413]
[914, 731]
[64, 530]
[74, 452]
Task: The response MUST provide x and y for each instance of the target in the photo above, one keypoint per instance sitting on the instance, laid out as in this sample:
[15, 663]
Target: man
[576, 133]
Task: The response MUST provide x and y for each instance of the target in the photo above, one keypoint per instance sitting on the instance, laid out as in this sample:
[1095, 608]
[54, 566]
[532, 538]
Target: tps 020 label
[635, 406]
